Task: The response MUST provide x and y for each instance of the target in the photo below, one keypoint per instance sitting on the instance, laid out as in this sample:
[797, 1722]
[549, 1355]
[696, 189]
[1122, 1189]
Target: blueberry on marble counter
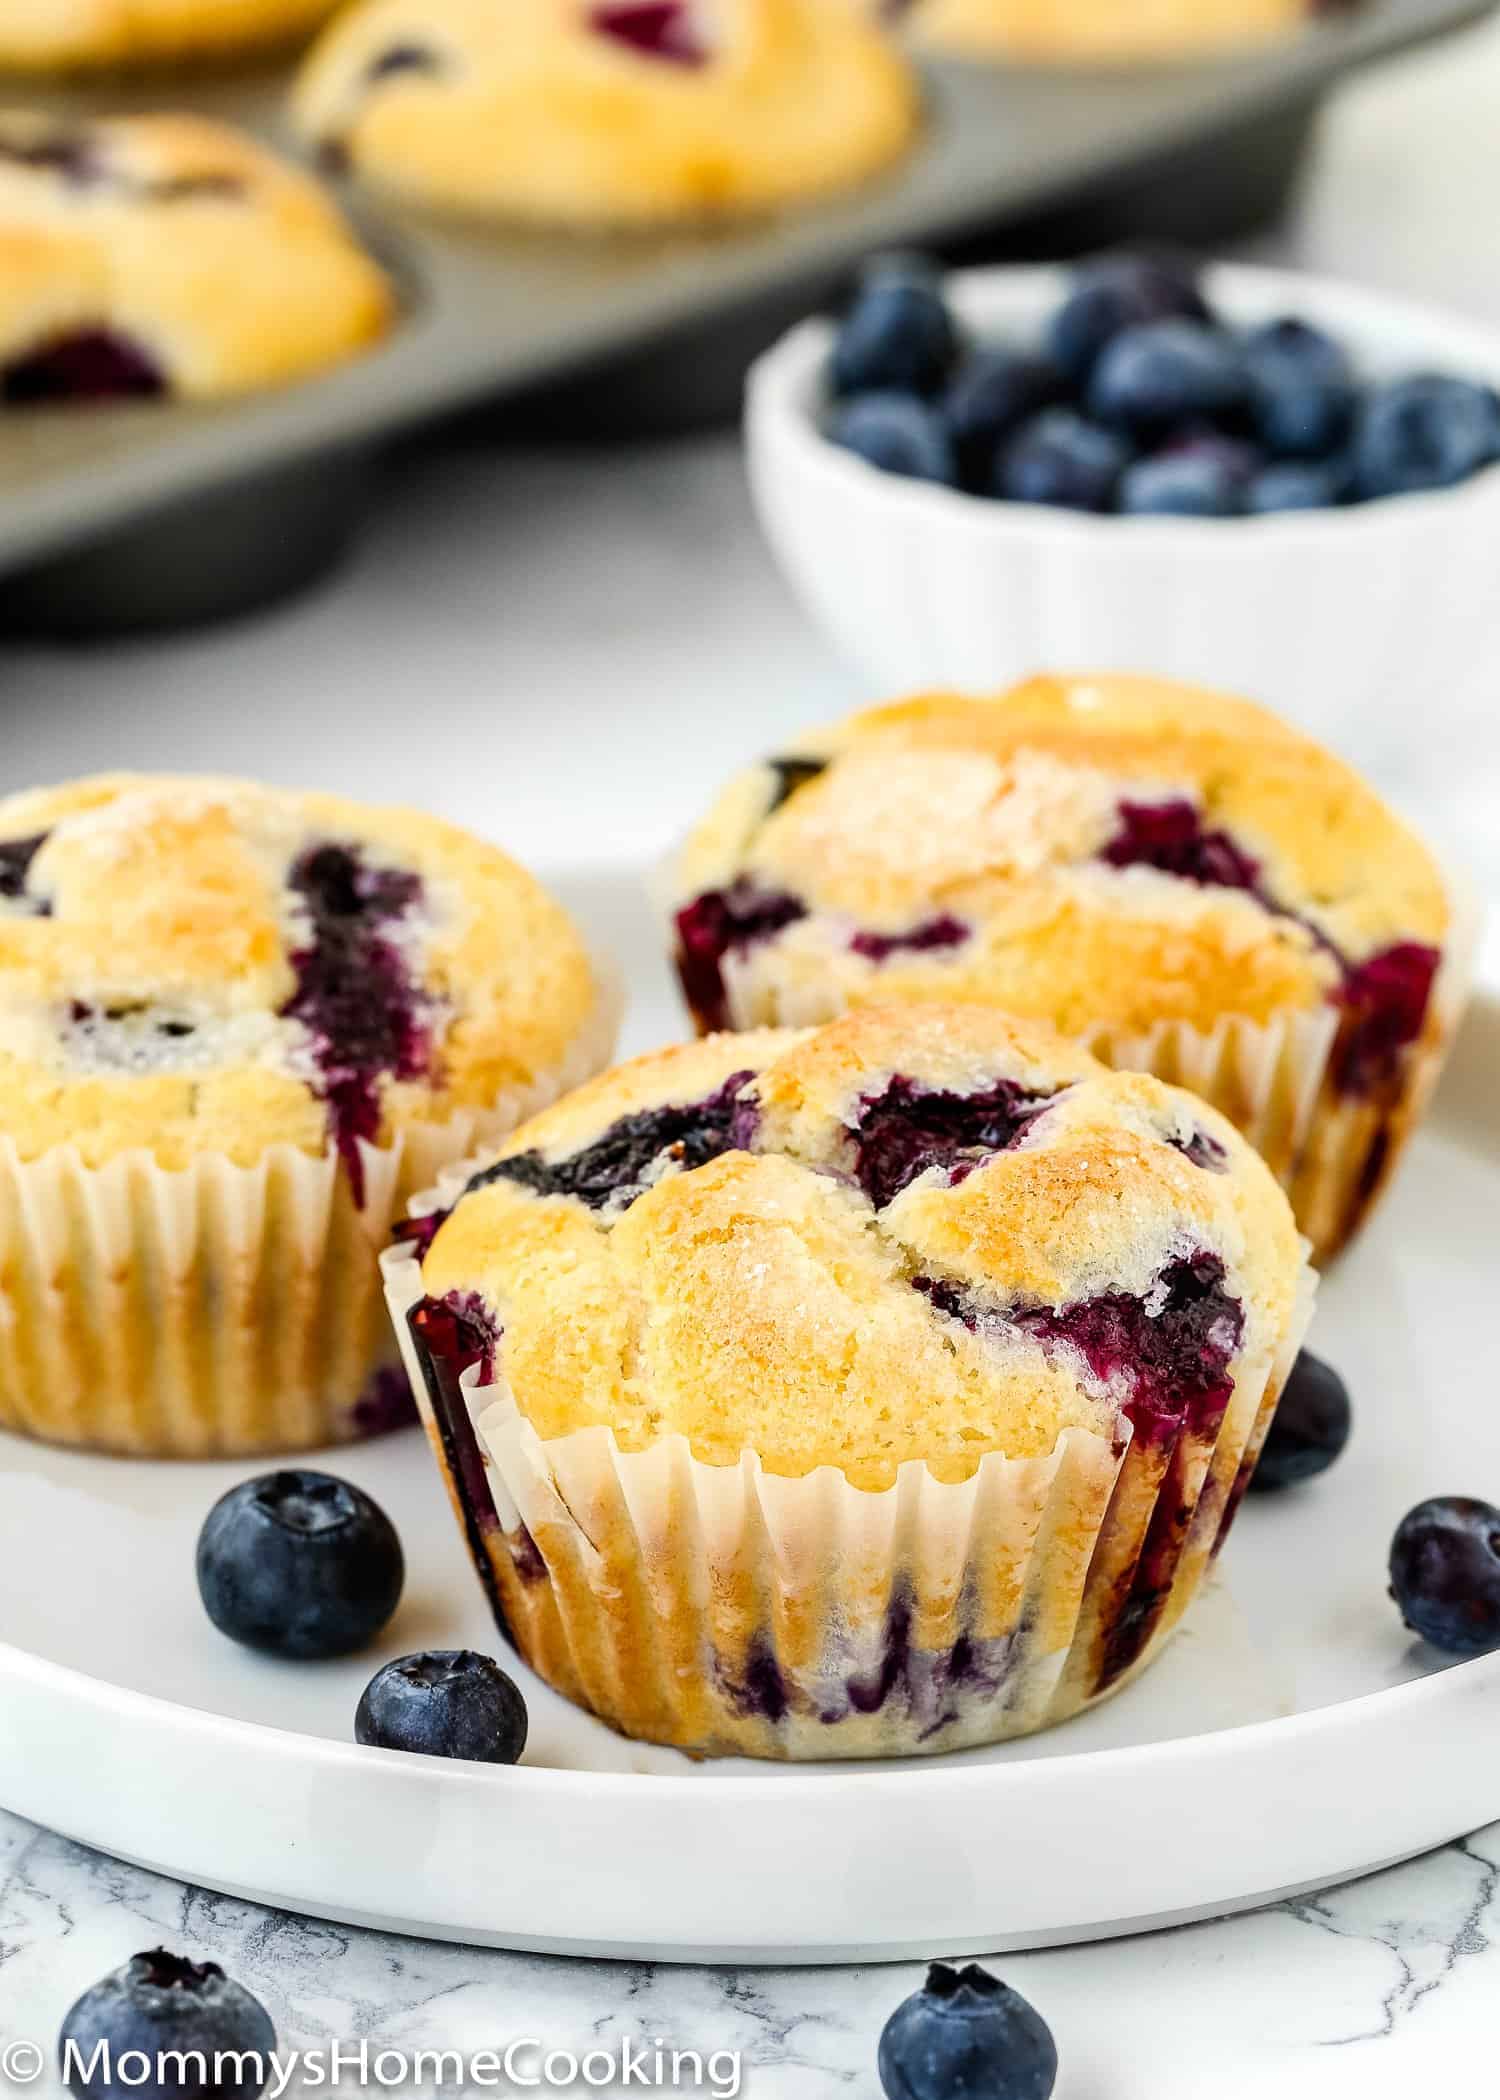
[966, 2036]
[162, 2005]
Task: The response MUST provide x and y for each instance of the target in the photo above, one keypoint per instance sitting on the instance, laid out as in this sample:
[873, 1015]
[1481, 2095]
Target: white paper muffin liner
[727, 1610]
[1333, 1152]
[219, 1310]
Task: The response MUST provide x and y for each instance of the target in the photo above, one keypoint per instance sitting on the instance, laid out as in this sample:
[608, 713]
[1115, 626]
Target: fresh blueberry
[966, 2036]
[1296, 484]
[1301, 389]
[1423, 433]
[897, 433]
[898, 333]
[1169, 372]
[299, 1564]
[449, 1703]
[1445, 1573]
[1182, 485]
[157, 2003]
[1115, 293]
[1310, 1429]
[993, 392]
[1059, 458]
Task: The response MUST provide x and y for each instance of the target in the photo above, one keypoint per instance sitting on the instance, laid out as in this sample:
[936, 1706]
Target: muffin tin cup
[725, 1610]
[219, 1310]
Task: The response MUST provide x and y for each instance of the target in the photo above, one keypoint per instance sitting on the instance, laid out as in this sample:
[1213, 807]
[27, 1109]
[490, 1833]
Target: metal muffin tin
[113, 518]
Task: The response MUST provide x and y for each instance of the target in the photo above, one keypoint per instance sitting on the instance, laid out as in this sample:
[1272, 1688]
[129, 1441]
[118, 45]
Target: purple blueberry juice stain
[1202, 1151]
[660, 29]
[402, 58]
[93, 364]
[722, 923]
[419, 1233]
[72, 154]
[16, 856]
[929, 938]
[526, 1555]
[1170, 836]
[620, 1164]
[1166, 1355]
[789, 775]
[452, 1335]
[931, 1686]
[1385, 1001]
[759, 1690]
[1385, 997]
[908, 1128]
[385, 1404]
[355, 995]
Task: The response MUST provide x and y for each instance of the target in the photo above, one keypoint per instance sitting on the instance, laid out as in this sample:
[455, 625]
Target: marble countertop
[501, 601]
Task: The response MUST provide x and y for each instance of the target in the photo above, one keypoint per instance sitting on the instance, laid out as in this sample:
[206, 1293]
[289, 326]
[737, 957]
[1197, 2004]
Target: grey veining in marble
[1337, 1993]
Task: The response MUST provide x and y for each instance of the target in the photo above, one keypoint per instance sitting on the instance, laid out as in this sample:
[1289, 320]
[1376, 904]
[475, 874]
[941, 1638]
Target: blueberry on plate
[898, 333]
[1059, 458]
[1423, 433]
[992, 392]
[1297, 484]
[1310, 1427]
[160, 2002]
[1169, 372]
[1182, 485]
[1118, 292]
[897, 433]
[966, 2036]
[447, 1703]
[1302, 389]
[1445, 1573]
[299, 1564]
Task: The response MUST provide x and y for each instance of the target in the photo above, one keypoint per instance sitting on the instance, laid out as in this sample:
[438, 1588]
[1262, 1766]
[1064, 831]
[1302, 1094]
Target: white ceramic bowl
[1361, 624]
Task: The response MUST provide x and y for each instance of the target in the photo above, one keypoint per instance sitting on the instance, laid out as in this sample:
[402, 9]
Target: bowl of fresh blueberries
[1236, 476]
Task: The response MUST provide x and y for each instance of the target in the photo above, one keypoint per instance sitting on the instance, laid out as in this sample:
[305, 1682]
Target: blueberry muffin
[167, 256]
[1063, 30]
[607, 112]
[238, 1027]
[52, 35]
[875, 1389]
[1179, 879]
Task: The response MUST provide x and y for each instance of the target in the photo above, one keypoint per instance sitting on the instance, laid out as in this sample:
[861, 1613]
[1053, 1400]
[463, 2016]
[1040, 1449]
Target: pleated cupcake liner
[1333, 1151]
[220, 1310]
[726, 1610]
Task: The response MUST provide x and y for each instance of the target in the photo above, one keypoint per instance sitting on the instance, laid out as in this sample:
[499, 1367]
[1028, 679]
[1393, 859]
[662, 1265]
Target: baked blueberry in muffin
[1178, 878]
[238, 1027]
[47, 35]
[873, 1389]
[143, 257]
[606, 112]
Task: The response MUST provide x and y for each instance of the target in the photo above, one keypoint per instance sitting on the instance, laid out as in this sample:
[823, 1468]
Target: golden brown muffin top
[207, 265]
[916, 1233]
[198, 965]
[603, 112]
[1092, 850]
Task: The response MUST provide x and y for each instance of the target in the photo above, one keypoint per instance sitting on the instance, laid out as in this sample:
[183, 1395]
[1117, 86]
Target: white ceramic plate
[1292, 1736]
